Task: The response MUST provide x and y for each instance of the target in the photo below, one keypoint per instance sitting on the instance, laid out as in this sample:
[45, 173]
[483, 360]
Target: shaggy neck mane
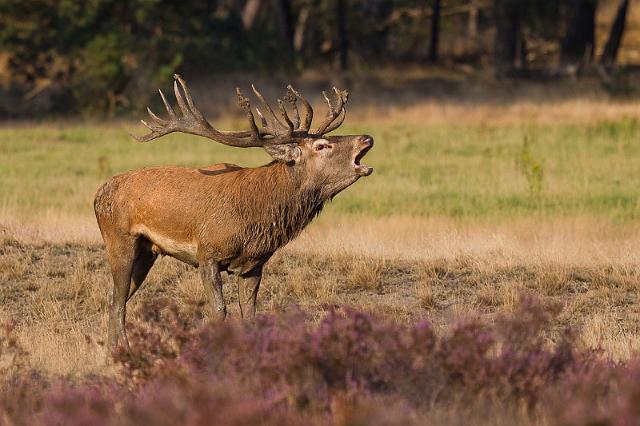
[279, 207]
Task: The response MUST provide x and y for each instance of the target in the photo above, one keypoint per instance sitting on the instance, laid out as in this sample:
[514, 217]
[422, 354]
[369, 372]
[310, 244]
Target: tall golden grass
[55, 283]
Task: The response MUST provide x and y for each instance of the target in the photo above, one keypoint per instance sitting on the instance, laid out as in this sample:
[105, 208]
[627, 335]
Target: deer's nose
[367, 141]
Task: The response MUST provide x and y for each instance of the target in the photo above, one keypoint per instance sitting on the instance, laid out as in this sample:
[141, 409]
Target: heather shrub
[352, 353]
[601, 393]
[347, 368]
[157, 338]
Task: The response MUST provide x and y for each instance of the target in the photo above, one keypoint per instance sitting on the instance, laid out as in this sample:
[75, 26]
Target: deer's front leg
[212, 281]
[248, 286]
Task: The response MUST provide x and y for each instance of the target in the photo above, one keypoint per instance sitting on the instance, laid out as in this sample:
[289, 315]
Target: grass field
[470, 209]
[456, 171]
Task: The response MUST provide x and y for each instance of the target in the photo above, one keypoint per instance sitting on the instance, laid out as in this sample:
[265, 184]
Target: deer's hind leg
[121, 254]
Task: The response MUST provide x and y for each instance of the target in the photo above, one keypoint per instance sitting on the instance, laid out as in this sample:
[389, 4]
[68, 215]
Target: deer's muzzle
[361, 169]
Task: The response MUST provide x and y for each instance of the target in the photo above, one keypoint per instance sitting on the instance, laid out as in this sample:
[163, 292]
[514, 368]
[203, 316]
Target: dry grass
[425, 295]
[513, 112]
[364, 274]
[55, 287]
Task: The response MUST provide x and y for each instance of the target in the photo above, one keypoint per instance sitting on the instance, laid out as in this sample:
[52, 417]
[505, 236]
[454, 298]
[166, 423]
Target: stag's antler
[274, 130]
[336, 113]
[192, 121]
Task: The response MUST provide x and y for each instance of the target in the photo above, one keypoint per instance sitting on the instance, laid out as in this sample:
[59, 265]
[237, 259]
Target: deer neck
[286, 205]
[294, 200]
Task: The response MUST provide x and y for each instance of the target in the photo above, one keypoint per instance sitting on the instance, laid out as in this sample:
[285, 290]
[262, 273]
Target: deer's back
[169, 203]
[169, 189]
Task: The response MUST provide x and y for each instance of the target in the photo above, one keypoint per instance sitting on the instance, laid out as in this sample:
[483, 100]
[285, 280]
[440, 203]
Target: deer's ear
[289, 153]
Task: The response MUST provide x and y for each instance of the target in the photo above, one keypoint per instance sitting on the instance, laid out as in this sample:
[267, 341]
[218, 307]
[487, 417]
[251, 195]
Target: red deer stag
[225, 217]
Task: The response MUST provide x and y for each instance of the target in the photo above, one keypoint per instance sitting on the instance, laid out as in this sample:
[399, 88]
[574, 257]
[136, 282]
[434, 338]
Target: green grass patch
[466, 171]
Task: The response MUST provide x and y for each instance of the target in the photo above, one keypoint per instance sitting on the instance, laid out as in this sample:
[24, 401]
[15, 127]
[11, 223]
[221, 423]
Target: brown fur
[218, 218]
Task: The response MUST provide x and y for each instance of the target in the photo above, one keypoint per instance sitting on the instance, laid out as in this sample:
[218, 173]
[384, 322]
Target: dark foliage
[106, 56]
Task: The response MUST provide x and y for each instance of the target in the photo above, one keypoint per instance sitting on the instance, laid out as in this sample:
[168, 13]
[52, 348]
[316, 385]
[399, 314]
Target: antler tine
[156, 118]
[308, 118]
[183, 107]
[268, 135]
[344, 94]
[290, 97]
[340, 100]
[285, 116]
[272, 121]
[245, 105]
[337, 122]
[333, 112]
[155, 133]
[262, 119]
[187, 95]
[158, 127]
[170, 110]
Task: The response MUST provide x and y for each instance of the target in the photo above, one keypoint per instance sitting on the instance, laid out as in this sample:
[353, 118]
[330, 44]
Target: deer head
[333, 161]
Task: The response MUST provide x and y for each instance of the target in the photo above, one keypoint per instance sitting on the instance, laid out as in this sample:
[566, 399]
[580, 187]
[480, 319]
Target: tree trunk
[507, 16]
[579, 39]
[249, 13]
[301, 28]
[435, 31]
[377, 16]
[610, 52]
[285, 21]
[472, 20]
[343, 40]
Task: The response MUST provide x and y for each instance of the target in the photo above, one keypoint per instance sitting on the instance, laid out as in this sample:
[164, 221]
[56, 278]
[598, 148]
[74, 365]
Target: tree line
[100, 54]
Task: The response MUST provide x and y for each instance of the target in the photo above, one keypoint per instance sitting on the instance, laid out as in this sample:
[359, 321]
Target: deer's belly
[184, 251]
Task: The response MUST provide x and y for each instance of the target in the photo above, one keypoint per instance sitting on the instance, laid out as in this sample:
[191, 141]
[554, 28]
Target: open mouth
[361, 169]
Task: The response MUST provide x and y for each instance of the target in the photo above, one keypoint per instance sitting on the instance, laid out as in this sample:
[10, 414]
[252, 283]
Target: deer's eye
[320, 147]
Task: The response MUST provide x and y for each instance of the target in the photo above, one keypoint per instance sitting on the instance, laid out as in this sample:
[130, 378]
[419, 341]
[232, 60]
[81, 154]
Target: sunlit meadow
[489, 266]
